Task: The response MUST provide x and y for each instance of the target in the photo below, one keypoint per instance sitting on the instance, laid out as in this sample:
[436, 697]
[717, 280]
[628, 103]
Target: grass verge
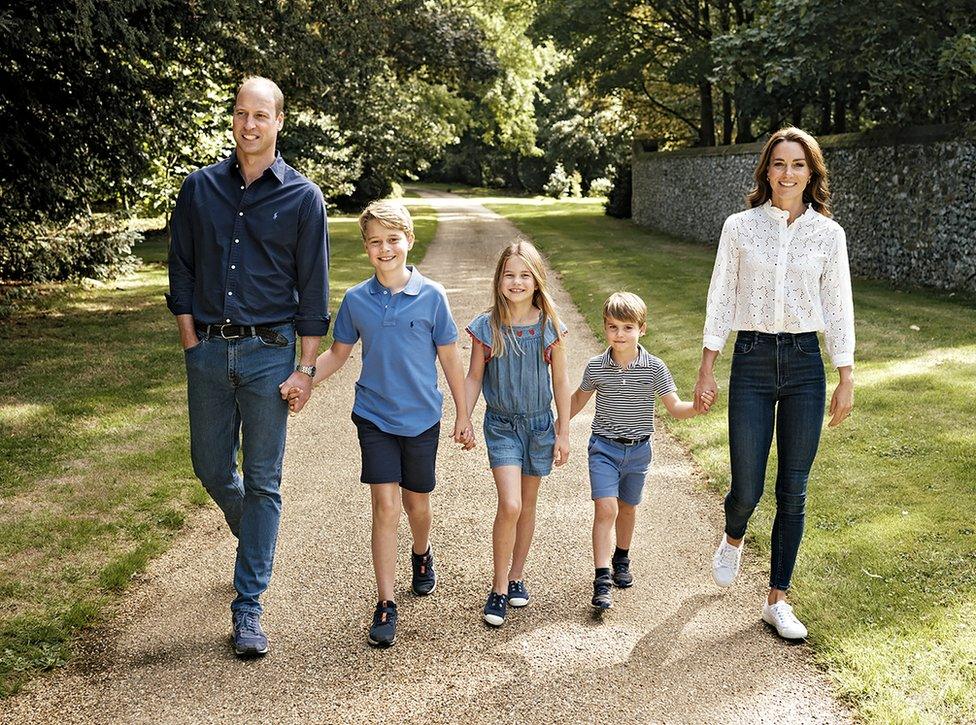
[95, 475]
[886, 579]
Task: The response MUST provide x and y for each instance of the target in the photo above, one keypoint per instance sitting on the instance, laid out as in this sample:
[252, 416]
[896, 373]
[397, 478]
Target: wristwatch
[307, 369]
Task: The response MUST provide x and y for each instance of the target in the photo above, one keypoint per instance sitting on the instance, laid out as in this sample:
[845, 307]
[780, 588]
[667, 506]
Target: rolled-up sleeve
[837, 302]
[312, 267]
[721, 300]
[181, 253]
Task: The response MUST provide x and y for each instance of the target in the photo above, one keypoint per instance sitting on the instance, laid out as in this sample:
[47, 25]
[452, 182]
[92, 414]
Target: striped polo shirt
[625, 396]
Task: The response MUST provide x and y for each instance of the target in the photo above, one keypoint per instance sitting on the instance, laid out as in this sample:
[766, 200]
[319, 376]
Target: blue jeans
[232, 389]
[777, 381]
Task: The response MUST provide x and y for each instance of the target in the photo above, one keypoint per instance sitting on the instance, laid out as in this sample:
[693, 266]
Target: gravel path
[675, 648]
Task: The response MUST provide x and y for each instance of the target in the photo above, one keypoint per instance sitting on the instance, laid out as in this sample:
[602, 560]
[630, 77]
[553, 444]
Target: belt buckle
[222, 335]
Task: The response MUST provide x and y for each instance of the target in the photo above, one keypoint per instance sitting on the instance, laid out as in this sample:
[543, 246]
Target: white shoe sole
[494, 620]
[518, 602]
[789, 637]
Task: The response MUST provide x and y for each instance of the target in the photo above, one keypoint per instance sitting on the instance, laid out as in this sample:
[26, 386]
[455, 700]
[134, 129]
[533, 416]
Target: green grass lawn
[886, 580]
[95, 475]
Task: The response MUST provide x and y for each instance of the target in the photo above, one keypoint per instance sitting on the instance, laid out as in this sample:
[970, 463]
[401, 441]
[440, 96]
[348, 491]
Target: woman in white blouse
[781, 275]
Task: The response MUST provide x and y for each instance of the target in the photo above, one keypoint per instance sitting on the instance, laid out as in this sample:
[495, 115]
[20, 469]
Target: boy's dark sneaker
[518, 595]
[496, 608]
[621, 572]
[382, 633]
[424, 577]
[249, 638]
[601, 592]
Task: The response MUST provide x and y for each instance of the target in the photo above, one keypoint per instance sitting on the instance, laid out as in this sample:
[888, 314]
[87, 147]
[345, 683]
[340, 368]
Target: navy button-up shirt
[250, 255]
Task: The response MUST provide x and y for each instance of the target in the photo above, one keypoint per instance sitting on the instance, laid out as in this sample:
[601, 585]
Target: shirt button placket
[779, 294]
[231, 306]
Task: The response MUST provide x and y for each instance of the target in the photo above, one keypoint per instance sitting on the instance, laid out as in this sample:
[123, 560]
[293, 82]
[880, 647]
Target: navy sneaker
[601, 592]
[495, 608]
[382, 633]
[621, 572]
[424, 577]
[518, 595]
[249, 638]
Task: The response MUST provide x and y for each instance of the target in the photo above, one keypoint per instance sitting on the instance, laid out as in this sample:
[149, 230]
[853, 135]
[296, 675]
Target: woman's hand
[706, 391]
[841, 402]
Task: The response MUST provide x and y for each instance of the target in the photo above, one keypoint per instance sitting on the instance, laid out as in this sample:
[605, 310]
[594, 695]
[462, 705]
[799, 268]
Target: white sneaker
[725, 563]
[780, 616]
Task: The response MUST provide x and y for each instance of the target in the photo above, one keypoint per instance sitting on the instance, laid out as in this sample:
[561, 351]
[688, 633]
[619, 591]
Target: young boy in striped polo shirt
[626, 379]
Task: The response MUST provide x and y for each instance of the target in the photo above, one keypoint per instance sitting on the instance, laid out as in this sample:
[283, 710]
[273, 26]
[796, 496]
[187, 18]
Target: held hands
[297, 389]
[560, 452]
[464, 433]
[706, 391]
[841, 403]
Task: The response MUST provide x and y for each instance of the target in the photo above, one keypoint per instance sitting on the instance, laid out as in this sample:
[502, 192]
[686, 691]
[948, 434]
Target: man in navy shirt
[248, 274]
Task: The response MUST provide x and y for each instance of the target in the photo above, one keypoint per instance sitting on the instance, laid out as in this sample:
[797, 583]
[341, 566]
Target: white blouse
[771, 277]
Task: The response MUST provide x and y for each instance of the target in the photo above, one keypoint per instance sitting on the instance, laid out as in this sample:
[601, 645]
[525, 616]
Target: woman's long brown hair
[817, 191]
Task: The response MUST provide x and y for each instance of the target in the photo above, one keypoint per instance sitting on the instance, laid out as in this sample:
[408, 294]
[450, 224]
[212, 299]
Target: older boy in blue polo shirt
[405, 323]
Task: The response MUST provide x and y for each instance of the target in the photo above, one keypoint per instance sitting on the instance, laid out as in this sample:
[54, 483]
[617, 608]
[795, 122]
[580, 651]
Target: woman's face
[788, 173]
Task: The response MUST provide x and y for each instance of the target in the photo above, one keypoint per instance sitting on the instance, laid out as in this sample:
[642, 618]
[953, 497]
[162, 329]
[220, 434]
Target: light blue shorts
[526, 441]
[618, 469]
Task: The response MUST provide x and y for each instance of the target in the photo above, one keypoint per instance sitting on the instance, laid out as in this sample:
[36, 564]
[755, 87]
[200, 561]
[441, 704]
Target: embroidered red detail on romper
[519, 333]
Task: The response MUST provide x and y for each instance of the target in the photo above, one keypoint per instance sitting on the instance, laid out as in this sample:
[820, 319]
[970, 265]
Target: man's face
[256, 124]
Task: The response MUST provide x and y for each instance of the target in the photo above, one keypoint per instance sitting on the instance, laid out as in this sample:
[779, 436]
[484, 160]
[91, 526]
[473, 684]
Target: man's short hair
[279, 97]
[626, 307]
[389, 213]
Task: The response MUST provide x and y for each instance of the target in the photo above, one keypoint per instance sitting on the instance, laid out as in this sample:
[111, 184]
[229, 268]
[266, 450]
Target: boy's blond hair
[626, 307]
[389, 213]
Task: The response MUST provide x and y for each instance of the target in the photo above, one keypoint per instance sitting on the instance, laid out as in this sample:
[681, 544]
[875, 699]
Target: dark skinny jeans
[777, 382]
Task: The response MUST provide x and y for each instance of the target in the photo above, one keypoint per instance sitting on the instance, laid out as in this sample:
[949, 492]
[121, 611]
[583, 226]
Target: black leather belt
[235, 332]
[628, 441]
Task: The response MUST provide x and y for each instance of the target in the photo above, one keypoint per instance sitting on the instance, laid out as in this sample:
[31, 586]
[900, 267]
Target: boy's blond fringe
[389, 213]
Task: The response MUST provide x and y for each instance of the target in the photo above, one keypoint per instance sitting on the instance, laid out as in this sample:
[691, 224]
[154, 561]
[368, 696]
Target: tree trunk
[726, 118]
[825, 127]
[840, 122]
[706, 132]
[743, 120]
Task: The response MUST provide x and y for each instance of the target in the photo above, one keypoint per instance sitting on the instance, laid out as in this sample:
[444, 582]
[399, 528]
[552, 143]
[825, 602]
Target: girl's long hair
[500, 313]
[817, 191]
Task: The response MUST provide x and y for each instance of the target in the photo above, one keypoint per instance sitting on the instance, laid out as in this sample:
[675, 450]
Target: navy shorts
[389, 458]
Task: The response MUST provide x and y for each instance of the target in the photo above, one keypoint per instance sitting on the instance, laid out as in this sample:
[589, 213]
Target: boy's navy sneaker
[621, 572]
[518, 595]
[602, 598]
[249, 638]
[495, 608]
[424, 577]
[382, 633]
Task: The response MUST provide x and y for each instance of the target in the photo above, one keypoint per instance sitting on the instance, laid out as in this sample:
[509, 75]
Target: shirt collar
[277, 166]
[642, 360]
[781, 215]
[414, 284]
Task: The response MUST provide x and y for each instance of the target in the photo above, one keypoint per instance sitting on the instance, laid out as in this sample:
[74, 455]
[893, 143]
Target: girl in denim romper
[514, 345]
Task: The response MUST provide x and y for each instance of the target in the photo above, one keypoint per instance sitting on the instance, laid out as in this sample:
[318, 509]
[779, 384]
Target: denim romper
[519, 428]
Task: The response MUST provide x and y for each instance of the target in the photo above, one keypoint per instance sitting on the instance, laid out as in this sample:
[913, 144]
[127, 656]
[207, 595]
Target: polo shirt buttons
[240, 213]
[237, 241]
[230, 294]
[233, 266]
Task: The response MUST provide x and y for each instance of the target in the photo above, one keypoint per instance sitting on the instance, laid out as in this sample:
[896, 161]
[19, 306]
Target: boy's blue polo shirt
[397, 389]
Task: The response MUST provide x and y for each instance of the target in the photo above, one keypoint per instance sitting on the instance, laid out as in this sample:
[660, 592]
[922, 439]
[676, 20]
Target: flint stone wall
[906, 198]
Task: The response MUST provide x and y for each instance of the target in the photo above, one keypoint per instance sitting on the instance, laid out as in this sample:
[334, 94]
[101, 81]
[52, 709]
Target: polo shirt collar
[642, 360]
[414, 284]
